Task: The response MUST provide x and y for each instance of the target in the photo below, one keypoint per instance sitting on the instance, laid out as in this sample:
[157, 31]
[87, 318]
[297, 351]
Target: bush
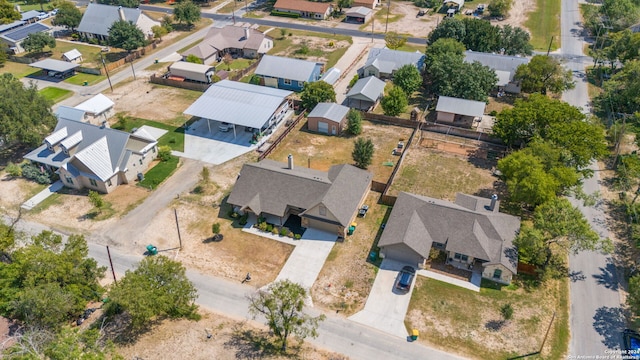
[75, 36]
[32, 172]
[284, 231]
[14, 170]
[244, 219]
[493, 113]
[215, 228]
[354, 80]
[297, 236]
[262, 219]
[507, 311]
[290, 234]
[269, 228]
[274, 230]
[262, 226]
[94, 41]
[164, 153]
[285, 14]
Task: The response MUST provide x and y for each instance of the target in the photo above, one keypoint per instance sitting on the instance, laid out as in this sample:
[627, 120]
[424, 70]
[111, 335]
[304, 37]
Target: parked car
[631, 340]
[224, 127]
[43, 15]
[249, 129]
[363, 211]
[405, 278]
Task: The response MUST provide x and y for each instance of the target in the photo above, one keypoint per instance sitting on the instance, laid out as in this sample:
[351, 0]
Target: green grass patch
[36, 6]
[239, 64]
[544, 23]
[55, 94]
[159, 173]
[158, 66]
[80, 78]
[381, 15]
[103, 213]
[17, 69]
[174, 138]
[44, 204]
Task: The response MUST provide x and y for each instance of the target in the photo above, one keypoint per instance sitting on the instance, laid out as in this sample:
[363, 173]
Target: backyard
[310, 46]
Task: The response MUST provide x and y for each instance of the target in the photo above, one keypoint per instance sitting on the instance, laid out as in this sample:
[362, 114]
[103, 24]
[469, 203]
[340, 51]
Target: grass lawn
[55, 94]
[89, 53]
[452, 317]
[174, 138]
[36, 6]
[157, 174]
[17, 69]
[159, 66]
[80, 78]
[237, 64]
[544, 22]
[323, 151]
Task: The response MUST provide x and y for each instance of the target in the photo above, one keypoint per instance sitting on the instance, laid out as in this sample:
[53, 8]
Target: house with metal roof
[331, 76]
[328, 118]
[98, 18]
[95, 157]
[287, 73]
[14, 38]
[505, 67]
[184, 70]
[239, 41]
[304, 8]
[55, 68]
[366, 93]
[324, 200]
[241, 104]
[98, 109]
[472, 232]
[383, 62]
[358, 14]
[73, 56]
[69, 113]
[459, 112]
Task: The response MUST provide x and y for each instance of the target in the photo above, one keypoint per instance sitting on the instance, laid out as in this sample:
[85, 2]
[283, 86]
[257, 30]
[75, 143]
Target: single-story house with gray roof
[235, 40]
[383, 62]
[324, 200]
[95, 157]
[98, 18]
[366, 93]
[459, 112]
[505, 67]
[472, 232]
[328, 118]
[14, 38]
[287, 73]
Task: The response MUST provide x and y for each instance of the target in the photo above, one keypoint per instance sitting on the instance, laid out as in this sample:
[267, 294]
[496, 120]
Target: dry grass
[347, 276]
[15, 191]
[323, 151]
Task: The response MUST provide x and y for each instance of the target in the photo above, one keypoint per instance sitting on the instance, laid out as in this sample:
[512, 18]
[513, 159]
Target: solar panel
[24, 31]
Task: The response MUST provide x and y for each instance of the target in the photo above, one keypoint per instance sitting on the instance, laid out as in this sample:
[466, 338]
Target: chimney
[494, 201]
[290, 158]
[121, 13]
[247, 32]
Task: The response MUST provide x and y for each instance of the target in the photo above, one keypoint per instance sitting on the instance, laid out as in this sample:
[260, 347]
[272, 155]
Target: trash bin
[156, 61]
[352, 228]
[85, 83]
[152, 250]
[414, 334]
[373, 256]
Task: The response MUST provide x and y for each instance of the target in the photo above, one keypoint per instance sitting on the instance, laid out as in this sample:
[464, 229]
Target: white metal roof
[460, 106]
[96, 105]
[329, 111]
[238, 103]
[97, 158]
[331, 76]
[358, 11]
[371, 88]
[189, 66]
[69, 113]
[54, 65]
[286, 68]
[72, 54]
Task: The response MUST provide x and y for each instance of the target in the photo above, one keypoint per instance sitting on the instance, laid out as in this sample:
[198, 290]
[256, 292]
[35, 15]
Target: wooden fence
[461, 132]
[402, 156]
[527, 269]
[242, 73]
[131, 57]
[282, 136]
[180, 84]
[389, 120]
[378, 186]
[388, 200]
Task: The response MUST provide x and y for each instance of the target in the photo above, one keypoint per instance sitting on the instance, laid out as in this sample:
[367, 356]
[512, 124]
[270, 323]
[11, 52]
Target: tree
[527, 180]
[395, 102]
[126, 35]
[44, 306]
[344, 4]
[620, 92]
[499, 8]
[3, 54]
[544, 73]
[449, 28]
[227, 59]
[187, 12]
[167, 23]
[633, 299]
[192, 58]
[316, 92]
[68, 15]
[25, 115]
[620, 14]
[157, 288]
[67, 343]
[480, 35]
[506, 311]
[36, 42]
[393, 40]
[282, 305]
[159, 32]
[408, 79]
[7, 12]
[354, 122]
[362, 152]
[96, 199]
[128, 3]
[514, 41]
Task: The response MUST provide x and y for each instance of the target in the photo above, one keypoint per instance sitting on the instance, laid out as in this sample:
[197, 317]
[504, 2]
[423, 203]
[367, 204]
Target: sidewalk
[39, 197]
[473, 285]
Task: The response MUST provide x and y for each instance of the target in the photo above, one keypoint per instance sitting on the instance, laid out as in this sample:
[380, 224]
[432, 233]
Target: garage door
[323, 127]
[271, 82]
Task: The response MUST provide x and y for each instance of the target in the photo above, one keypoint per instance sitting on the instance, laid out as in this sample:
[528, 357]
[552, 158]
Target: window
[460, 257]
[286, 81]
[140, 161]
[109, 182]
[322, 210]
[93, 182]
[68, 179]
[154, 149]
[497, 274]
[438, 245]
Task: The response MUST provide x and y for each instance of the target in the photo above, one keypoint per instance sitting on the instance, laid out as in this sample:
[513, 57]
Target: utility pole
[106, 72]
[549, 48]
[111, 263]
[175, 212]
[233, 12]
[133, 70]
[388, 10]
[547, 333]
[372, 21]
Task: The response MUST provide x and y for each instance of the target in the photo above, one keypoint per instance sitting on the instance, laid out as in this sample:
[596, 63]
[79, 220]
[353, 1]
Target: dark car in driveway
[405, 278]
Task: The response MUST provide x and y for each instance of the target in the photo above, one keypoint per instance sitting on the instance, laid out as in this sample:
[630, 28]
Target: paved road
[596, 316]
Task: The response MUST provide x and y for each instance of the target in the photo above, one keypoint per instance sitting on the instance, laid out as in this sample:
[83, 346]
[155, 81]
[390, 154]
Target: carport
[56, 68]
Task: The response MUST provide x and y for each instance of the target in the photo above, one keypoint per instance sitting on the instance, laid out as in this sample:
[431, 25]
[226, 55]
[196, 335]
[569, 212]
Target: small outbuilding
[328, 118]
[98, 109]
[55, 68]
[192, 71]
[365, 93]
[331, 76]
[358, 14]
[459, 112]
[73, 56]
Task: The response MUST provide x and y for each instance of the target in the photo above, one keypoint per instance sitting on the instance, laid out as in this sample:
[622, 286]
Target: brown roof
[302, 5]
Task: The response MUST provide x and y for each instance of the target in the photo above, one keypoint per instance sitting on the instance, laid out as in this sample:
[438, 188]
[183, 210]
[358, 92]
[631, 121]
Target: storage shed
[358, 14]
[328, 118]
[459, 112]
[365, 93]
[73, 56]
[192, 71]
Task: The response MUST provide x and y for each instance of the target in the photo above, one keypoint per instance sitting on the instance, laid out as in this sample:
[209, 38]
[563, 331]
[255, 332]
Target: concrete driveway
[385, 309]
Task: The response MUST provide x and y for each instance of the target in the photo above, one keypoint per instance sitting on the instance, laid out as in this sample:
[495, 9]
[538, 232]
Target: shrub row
[285, 14]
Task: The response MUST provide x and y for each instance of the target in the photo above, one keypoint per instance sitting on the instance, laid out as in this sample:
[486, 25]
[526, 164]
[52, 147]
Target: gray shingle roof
[271, 187]
[387, 60]
[329, 111]
[22, 32]
[286, 68]
[54, 65]
[470, 229]
[460, 106]
[370, 88]
[225, 38]
[497, 62]
[98, 18]
[238, 103]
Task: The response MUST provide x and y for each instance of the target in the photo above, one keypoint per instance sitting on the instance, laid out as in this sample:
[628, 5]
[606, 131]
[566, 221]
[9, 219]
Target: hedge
[285, 14]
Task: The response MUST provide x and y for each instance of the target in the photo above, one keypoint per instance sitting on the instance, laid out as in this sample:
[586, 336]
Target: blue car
[405, 278]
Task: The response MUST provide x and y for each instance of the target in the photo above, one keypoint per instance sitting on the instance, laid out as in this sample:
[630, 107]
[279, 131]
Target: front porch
[456, 272]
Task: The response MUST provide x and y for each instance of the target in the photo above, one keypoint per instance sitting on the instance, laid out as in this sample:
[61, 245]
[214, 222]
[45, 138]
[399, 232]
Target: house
[55, 68]
[242, 104]
[472, 232]
[383, 62]
[358, 14]
[331, 76]
[235, 40]
[14, 38]
[459, 112]
[10, 26]
[306, 9]
[369, 4]
[504, 65]
[327, 118]
[30, 16]
[98, 109]
[73, 56]
[287, 73]
[98, 18]
[326, 201]
[365, 94]
[70, 113]
[95, 157]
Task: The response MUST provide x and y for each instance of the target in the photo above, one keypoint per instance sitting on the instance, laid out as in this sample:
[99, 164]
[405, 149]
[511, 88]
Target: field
[17, 69]
[81, 78]
[310, 46]
[55, 94]
[544, 23]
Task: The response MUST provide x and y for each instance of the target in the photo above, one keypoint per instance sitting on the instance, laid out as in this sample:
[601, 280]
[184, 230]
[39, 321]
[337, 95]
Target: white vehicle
[43, 16]
[224, 127]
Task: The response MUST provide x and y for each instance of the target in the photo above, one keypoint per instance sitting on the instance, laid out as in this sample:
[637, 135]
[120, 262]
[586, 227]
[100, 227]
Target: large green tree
[354, 122]
[25, 115]
[544, 73]
[7, 12]
[156, 289]
[316, 92]
[187, 12]
[67, 343]
[407, 78]
[363, 152]
[395, 102]
[620, 93]
[620, 14]
[514, 41]
[126, 35]
[3, 54]
[36, 42]
[344, 4]
[394, 41]
[282, 305]
[68, 15]
[499, 8]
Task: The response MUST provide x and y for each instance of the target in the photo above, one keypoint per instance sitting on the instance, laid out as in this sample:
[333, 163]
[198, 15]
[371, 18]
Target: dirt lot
[518, 14]
[319, 48]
